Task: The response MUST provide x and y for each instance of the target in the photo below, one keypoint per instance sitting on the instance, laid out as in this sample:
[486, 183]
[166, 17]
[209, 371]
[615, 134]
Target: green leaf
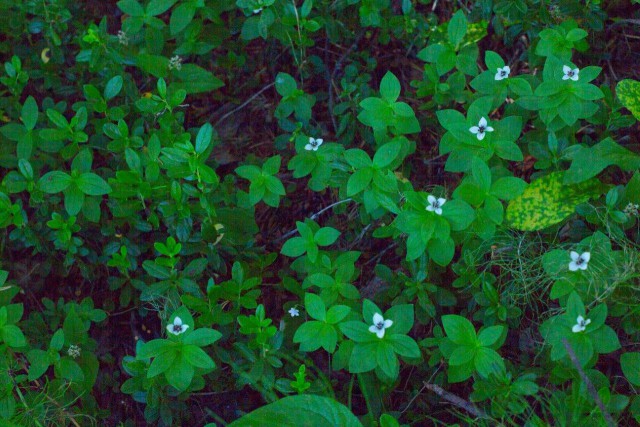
[113, 87]
[404, 346]
[131, 7]
[54, 182]
[326, 236]
[294, 247]
[180, 374]
[195, 79]
[487, 362]
[156, 65]
[153, 348]
[548, 201]
[197, 357]
[359, 181]
[630, 363]
[285, 84]
[336, 313]
[29, 113]
[628, 92]
[457, 28]
[387, 360]
[203, 337]
[402, 317]
[181, 17]
[489, 336]
[459, 330]
[357, 331]
[589, 162]
[390, 87]
[67, 368]
[38, 363]
[203, 140]
[291, 411]
[315, 307]
[158, 7]
[12, 336]
[74, 329]
[161, 363]
[92, 185]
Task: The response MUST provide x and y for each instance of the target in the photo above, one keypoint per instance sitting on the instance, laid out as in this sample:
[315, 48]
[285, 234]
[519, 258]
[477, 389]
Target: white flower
[379, 325]
[435, 205]
[176, 328]
[313, 144]
[579, 261]
[480, 130]
[581, 324]
[570, 73]
[123, 39]
[503, 73]
[294, 312]
[175, 63]
[257, 10]
[74, 351]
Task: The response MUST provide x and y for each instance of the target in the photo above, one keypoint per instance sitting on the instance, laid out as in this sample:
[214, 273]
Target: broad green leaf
[92, 185]
[197, 357]
[292, 411]
[390, 87]
[54, 182]
[326, 236]
[29, 113]
[630, 363]
[195, 79]
[548, 201]
[459, 330]
[315, 307]
[589, 162]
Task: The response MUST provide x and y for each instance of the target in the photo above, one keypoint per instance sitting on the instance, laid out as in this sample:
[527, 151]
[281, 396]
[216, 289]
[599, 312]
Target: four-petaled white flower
[570, 73]
[435, 205]
[480, 130]
[579, 261]
[177, 327]
[581, 324]
[379, 325]
[313, 144]
[503, 73]
[294, 312]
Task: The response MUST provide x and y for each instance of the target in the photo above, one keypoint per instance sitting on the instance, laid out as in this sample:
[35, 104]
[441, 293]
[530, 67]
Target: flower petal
[488, 129]
[577, 328]
[177, 321]
[308, 147]
[498, 76]
[580, 319]
[586, 322]
[319, 141]
[586, 256]
[566, 69]
[430, 208]
[482, 122]
[507, 69]
[431, 199]
[380, 333]
[438, 211]
[377, 318]
[575, 256]
[481, 136]
[565, 77]
[388, 323]
[184, 328]
[583, 266]
[442, 201]
[573, 266]
[474, 129]
[373, 329]
[170, 328]
[574, 77]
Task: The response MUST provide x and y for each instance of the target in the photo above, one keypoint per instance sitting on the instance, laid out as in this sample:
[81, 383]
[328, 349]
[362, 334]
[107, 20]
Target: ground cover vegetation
[319, 212]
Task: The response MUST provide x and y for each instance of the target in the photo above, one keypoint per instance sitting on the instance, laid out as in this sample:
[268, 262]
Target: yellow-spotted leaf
[628, 92]
[547, 201]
